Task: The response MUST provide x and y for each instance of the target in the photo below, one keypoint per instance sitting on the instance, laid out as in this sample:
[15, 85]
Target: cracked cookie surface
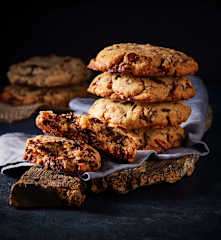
[50, 71]
[118, 142]
[57, 97]
[61, 154]
[145, 89]
[143, 60]
[134, 115]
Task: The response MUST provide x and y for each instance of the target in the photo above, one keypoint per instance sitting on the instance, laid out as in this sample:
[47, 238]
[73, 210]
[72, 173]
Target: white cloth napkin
[12, 145]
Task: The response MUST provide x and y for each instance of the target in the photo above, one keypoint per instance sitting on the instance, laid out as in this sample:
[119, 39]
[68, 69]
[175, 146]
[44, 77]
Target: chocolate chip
[188, 85]
[134, 106]
[132, 57]
[95, 120]
[163, 145]
[168, 120]
[149, 117]
[161, 67]
[148, 59]
[172, 90]
[156, 80]
[165, 110]
[119, 139]
[95, 82]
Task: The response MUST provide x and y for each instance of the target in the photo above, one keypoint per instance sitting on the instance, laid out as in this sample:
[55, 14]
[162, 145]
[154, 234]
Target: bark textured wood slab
[46, 188]
[150, 172]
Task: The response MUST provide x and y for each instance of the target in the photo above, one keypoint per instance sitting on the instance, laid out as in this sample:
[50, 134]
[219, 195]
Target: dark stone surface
[189, 209]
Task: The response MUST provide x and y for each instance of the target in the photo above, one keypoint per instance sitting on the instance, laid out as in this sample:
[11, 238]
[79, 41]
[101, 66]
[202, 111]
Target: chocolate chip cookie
[145, 89]
[57, 97]
[143, 60]
[61, 154]
[134, 115]
[50, 71]
[120, 143]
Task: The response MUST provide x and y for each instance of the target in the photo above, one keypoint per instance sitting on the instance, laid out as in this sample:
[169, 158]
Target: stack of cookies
[50, 80]
[143, 88]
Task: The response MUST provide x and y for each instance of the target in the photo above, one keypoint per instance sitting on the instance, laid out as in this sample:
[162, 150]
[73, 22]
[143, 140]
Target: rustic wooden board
[150, 172]
[44, 188]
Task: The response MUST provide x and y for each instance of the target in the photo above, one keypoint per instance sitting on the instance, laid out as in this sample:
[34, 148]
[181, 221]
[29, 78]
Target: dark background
[189, 209]
[82, 28]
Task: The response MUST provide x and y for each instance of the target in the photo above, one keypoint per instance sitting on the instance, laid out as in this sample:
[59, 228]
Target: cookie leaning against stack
[144, 86]
[50, 80]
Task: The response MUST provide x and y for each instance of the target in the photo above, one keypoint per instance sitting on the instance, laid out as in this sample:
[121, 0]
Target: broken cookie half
[119, 143]
[61, 154]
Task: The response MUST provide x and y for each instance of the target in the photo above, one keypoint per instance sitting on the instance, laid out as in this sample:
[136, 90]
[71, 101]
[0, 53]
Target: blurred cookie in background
[49, 71]
[56, 97]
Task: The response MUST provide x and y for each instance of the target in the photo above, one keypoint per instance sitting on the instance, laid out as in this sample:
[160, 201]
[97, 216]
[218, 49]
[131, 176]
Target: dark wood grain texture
[46, 188]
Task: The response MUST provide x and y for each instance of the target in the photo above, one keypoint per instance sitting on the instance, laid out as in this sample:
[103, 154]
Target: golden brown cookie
[146, 89]
[143, 60]
[119, 143]
[50, 71]
[159, 140]
[57, 97]
[61, 154]
[134, 115]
